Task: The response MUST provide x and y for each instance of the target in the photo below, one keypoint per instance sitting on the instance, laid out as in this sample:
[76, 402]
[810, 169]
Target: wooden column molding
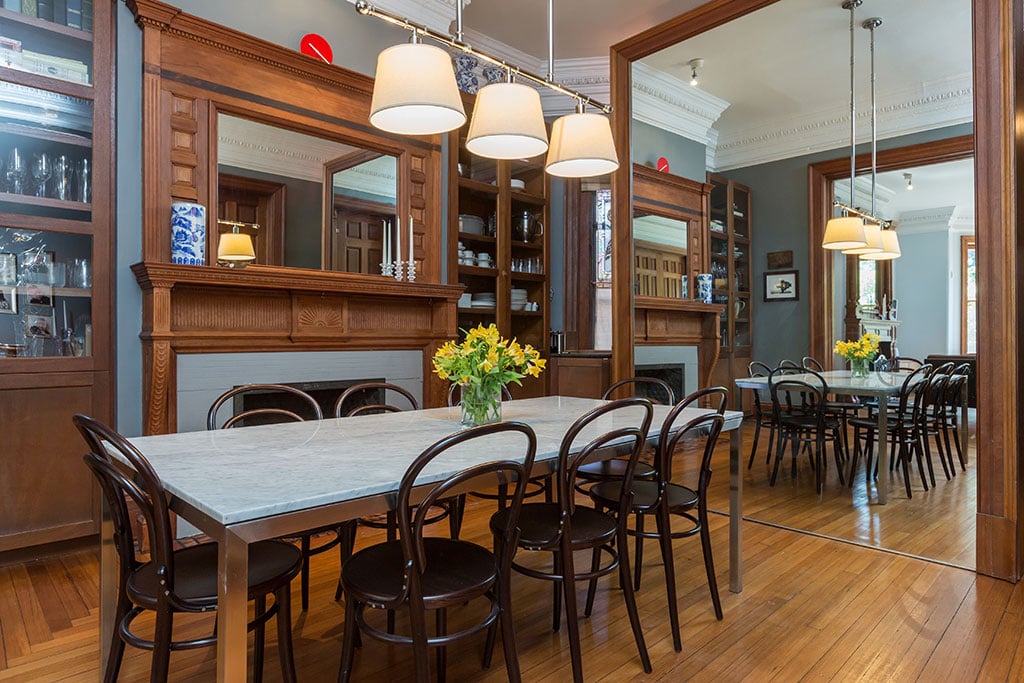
[199, 309]
[678, 322]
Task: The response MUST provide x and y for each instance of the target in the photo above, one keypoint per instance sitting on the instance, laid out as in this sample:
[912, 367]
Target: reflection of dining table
[243, 485]
[880, 385]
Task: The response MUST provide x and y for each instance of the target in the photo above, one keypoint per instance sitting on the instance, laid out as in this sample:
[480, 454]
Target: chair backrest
[912, 385]
[143, 487]
[811, 397]
[787, 363]
[707, 427]
[812, 364]
[657, 390]
[756, 368]
[945, 368]
[712, 397]
[954, 387]
[506, 459]
[932, 397]
[629, 420]
[455, 394]
[905, 363]
[263, 414]
[346, 405]
[670, 433]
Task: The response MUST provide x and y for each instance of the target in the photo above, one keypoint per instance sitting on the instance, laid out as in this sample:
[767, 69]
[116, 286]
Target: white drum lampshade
[507, 123]
[890, 248]
[415, 92]
[581, 147]
[873, 235]
[844, 233]
[235, 250]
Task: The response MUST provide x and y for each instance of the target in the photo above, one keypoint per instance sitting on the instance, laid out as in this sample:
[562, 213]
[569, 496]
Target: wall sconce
[235, 249]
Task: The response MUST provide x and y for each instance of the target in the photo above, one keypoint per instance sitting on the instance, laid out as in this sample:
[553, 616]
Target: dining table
[248, 484]
[878, 384]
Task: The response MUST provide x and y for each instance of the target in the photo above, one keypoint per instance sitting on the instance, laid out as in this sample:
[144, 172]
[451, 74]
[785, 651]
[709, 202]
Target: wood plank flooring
[812, 609]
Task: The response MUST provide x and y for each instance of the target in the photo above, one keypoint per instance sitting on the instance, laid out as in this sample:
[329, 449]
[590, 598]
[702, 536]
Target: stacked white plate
[474, 225]
[483, 300]
[518, 299]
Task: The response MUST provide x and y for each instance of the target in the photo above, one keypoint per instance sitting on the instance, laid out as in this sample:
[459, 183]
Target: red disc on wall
[663, 164]
[315, 45]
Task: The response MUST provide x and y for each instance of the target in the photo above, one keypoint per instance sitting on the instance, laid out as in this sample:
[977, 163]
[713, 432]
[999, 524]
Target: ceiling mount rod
[885, 224]
[551, 40]
[852, 5]
[367, 9]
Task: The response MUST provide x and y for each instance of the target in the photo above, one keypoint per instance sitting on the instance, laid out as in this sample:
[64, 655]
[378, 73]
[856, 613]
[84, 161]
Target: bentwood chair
[173, 581]
[564, 527]
[654, 389]
[762, 411]
[422, 574]
[954, 397]
[275, 403]
[664, 497]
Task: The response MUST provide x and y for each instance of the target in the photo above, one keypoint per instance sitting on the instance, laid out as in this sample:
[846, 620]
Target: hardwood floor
[812, 609]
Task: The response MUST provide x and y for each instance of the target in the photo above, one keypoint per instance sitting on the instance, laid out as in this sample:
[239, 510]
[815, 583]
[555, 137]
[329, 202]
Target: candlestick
[398, 242]
[385, 252]
[411, 256]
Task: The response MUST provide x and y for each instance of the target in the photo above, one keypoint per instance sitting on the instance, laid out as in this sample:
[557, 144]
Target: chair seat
[453, 569]
[272, 564]
[645, 495]
[893, 422]
[538, 525]
[808, 422]
[608, 470]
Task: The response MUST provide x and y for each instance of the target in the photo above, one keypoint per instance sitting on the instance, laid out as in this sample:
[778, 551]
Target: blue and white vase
[188, 233]
[465, 72]
[704, 287]
[494, 74]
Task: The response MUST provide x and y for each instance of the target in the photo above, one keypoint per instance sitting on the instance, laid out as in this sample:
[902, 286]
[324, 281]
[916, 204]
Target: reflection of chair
[664, 498]
[563, 527]
[307, 407]
[421, 574]
[762, 411]
[955, 388]
[172, 581]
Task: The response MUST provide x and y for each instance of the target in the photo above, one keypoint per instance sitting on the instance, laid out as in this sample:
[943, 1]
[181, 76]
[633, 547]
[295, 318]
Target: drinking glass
[83, 184]
[17, 169]
[42, 169]
[63, 170]
[81, 273]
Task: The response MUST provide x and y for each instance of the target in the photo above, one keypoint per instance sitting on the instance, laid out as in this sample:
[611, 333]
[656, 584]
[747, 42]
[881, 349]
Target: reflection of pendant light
[234, 249]
[694, 65]
[508, 122]
[890, 244]
[847, 232]
[414, 92]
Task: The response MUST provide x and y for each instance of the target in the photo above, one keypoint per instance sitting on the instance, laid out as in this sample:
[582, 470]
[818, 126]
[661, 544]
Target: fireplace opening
[673, 374]
[325, 393]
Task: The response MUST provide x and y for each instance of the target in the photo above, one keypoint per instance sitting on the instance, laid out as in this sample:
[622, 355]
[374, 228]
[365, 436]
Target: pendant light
[581, 146]
[508, 122]
[414, 91]
[235, 249]
[890, 244]
[847, 232]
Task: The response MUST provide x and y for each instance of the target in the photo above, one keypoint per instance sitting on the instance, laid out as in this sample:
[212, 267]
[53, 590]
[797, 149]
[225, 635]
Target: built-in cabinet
[498, 246]
[56, 343]
[730, 234]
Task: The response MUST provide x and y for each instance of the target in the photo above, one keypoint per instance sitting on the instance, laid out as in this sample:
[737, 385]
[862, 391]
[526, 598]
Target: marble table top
[248, 473]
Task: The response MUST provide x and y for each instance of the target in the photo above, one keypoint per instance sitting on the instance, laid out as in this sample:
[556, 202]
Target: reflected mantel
[203, 309]
[658, 321]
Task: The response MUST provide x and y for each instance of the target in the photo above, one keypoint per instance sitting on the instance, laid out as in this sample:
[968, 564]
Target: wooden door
[357, 241]
[257, 203]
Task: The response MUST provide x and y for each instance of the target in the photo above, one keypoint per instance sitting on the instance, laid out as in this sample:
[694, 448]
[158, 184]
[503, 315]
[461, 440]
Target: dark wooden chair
[421, 574]
[657, 391]
[340, 536]
[564, 527]
[810, 424]
[903, 430]
[841, 406]
[171, 581]
[958, 383]
[762, 411]
[664, 498]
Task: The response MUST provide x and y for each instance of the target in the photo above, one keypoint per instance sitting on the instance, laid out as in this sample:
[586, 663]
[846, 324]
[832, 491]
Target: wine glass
[16, 170]
[42, 169]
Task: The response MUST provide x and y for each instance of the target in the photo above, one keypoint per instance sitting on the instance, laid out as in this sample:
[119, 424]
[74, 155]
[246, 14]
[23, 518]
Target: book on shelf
[60, 12]
[28, 8]
[44, 9]
[87, 15]
[74, 13]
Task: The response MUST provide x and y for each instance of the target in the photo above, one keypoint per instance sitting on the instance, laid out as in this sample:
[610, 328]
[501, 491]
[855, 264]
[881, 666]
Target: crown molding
[672, 104]
[924, 221]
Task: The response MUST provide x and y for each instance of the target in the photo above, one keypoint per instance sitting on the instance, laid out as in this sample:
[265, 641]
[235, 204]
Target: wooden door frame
[967, 242]
[998, 47]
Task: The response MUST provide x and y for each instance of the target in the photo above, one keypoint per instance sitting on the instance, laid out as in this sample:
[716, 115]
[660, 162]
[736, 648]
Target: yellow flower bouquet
[482, 364]
[860, 353]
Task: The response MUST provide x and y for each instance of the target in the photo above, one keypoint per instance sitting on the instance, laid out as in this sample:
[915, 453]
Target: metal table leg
[232, 608]
[736, 510]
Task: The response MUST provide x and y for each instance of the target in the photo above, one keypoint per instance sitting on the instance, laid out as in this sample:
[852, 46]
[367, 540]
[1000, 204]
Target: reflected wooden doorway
[259, 202]
[357, 238]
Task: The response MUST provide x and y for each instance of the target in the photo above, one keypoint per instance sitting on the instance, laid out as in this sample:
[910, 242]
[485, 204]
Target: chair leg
[595, 564]
[627, 591]
[418, 632]
[161, 646]
[665, 542]
[556, 596]
[304, 544]
[259, 639]
[392, 534]
[771, 440]
[778, 457]
[639, 550]
[927, 456]
[709, 560]
[285, 652]
[347, 533]
[441, 629]
[568, 585]
[348, 642]
[753, 446]
[508, 631]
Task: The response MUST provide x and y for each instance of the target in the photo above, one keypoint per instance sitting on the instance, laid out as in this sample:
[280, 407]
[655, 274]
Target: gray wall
[356, 41]
[920, 284]
[686, 158]
[779, 215]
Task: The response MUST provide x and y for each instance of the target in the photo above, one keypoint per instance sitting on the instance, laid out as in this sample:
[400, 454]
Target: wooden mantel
[658, 321]
[204, 309]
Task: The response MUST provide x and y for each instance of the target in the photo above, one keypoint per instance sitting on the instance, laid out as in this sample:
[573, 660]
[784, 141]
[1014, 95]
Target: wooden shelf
[34, 80]
[478, 271]
[45, 134]
[479, 239]
[528, 277]
[527, 198]
[478, 186]
[527, 314]
[475, 310]
[49, 26]
[47, 202]
[527, 246]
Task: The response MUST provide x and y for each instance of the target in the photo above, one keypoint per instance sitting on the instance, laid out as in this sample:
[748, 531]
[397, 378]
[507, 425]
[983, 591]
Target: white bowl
[521, 306]
[473, 225]
[517, 184]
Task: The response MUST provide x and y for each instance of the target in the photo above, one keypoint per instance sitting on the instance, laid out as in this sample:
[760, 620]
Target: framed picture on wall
[39, 295]
[8, 300]
[39, 326]
[782, 285]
